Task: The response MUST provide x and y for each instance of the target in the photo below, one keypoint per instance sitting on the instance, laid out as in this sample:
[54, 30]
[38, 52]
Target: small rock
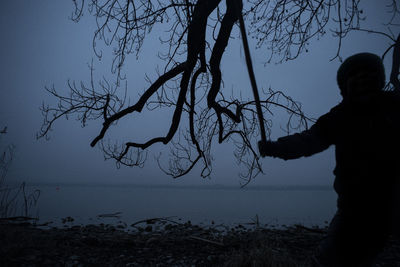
[151, 241]
[110, 228]
[74, 257]
[211, 258]
[150, 221]
[67, 219]
[47, 262]
[31, 257]
[91, 241]
[121, 226]
[168, 227]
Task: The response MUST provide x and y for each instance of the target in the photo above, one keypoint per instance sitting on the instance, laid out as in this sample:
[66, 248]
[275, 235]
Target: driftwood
[314, 230]
[154, 220]
[110, 215]
[18, 219]
[206, 240]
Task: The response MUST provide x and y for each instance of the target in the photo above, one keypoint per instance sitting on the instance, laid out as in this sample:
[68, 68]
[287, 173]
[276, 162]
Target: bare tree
[190, 82]
[14, 200]
[5, 158]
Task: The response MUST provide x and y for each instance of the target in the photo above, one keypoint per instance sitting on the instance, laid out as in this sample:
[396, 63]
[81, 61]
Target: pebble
[151, 241]
[74, 258]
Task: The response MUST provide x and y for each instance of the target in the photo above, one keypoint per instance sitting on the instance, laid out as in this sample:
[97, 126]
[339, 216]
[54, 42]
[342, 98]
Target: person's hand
[265, 148]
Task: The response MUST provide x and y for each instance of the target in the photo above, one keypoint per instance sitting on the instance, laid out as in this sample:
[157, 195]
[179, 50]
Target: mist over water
[201, 205]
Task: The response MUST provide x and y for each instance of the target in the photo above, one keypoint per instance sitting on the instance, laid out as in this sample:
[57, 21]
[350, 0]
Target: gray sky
[40, 46]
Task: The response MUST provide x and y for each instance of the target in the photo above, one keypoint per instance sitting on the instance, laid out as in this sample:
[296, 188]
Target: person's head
[361, 74]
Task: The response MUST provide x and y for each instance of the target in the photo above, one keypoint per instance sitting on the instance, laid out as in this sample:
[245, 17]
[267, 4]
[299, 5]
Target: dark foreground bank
[161, 242]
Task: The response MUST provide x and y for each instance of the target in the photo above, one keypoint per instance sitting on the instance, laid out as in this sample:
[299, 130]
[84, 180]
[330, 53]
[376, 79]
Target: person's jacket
[366, 135]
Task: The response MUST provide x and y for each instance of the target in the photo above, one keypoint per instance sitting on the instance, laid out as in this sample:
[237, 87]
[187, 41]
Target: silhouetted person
[365, 129]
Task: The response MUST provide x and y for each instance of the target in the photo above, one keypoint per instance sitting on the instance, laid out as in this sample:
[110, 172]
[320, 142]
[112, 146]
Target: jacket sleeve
[309, 142]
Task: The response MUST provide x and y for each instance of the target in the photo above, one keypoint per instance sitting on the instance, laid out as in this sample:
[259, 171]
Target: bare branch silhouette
[197, 34]
[394, 74]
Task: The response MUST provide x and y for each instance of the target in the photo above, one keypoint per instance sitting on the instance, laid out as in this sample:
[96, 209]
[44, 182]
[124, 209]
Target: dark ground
[160, 242]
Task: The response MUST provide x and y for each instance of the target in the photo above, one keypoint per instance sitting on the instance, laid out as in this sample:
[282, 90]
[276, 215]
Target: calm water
[273, 206]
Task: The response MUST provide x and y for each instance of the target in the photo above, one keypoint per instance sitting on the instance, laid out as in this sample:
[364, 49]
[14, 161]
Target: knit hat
[361, 61]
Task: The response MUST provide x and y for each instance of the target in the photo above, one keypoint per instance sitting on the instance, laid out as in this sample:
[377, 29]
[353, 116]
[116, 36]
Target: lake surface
[201, 205]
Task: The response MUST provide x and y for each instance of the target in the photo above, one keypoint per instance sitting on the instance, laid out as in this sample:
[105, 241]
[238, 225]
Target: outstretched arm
[294, 146]
[309, 142]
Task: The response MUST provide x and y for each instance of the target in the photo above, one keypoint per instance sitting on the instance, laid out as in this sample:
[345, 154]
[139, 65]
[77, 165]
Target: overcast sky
[40, 47]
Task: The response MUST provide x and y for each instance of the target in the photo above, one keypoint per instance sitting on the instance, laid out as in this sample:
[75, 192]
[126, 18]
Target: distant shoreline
[191, 187]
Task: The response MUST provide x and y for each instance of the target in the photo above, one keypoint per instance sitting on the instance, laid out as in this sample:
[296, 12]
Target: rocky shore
[162, 242]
